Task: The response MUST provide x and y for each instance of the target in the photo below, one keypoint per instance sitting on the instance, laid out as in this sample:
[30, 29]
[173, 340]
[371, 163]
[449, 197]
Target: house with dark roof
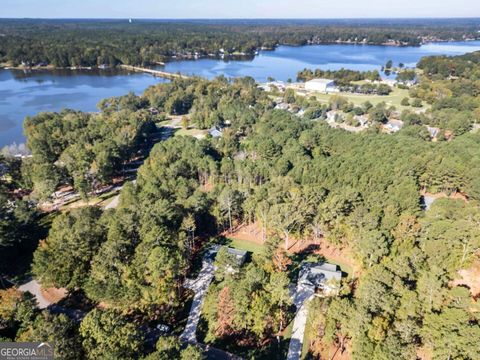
[322, 276]
[240, 255]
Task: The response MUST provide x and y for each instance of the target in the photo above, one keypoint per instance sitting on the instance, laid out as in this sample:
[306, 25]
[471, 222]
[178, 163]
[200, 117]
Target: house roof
[240, 255]
[433, 131]
[320, 81]
[319, 274]
[330, 271]
[398, 123]
[237, 252]
[215, 132]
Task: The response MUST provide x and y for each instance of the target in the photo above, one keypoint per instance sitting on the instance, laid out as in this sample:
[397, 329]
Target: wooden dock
[159, 73]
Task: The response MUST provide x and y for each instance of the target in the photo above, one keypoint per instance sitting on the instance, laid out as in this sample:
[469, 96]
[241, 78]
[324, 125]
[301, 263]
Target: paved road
[165, 133]
[200, 287]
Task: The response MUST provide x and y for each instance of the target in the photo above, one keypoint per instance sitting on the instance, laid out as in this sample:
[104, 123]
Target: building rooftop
[330, 271]
[321, 81]
[240, 255]
[237, 252]
[214, 132]
[318, 275]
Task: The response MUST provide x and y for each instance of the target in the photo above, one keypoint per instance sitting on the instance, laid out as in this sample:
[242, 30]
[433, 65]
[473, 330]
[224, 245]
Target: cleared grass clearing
[249, 246]
[347, 269]
[256, 248]
[191, 132]
[394, 98]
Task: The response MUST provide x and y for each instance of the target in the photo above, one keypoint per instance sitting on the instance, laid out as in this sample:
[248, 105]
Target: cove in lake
[286, 61]
[26, 94]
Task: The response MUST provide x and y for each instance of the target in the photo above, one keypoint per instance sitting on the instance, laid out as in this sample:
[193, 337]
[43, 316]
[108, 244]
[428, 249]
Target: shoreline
[223, 56]
[123, 70]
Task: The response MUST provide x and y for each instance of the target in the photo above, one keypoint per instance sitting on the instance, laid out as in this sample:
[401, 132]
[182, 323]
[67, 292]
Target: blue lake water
[24, 94]
[286, 61]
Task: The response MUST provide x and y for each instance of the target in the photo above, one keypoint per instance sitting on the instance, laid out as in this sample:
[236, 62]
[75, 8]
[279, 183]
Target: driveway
[34, 288]
[114, 203]
[303, 295]
[199, 286]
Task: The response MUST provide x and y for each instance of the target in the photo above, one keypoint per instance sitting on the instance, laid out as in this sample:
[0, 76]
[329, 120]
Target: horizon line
[252, 18]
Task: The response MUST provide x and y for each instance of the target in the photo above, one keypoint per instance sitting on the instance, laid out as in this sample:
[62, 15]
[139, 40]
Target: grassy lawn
[190, 132]
[256, 248]
[249, 246]
[346, 269]
[394, 98]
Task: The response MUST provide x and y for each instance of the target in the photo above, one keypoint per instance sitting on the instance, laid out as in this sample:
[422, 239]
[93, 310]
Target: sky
[188, 9]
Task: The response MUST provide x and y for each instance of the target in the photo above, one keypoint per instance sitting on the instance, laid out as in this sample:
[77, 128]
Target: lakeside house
[273, 86]
[321, 85]
[240, 255]
[215, 132]
[153, 111]
[433, 131]
[389, 82]
[393, 126]
[282, 106]
[322, 276]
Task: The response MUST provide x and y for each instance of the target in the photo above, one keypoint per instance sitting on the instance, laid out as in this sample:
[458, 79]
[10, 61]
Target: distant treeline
[342, 77]
[441, 67]
[75, 43]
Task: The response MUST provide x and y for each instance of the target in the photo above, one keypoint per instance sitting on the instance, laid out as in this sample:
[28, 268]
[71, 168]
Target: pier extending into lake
[159, 73]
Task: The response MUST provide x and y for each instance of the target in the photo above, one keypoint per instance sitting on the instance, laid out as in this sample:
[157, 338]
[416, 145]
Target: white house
[322, 85]
[215, 132]
[393, 126]
[433, 131]
[273, 85]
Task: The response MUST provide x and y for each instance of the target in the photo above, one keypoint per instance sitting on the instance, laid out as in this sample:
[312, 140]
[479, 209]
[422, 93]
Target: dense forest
[76, 43]
[298, 179]
[84, 149]
[341, 77]
[452, 86]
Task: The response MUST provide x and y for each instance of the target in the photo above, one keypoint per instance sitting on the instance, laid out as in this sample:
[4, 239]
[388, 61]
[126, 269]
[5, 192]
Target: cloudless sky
[238, 8]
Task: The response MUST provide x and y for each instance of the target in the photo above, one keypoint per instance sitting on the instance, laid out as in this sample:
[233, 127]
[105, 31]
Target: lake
[25, 94]
[286, 61]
